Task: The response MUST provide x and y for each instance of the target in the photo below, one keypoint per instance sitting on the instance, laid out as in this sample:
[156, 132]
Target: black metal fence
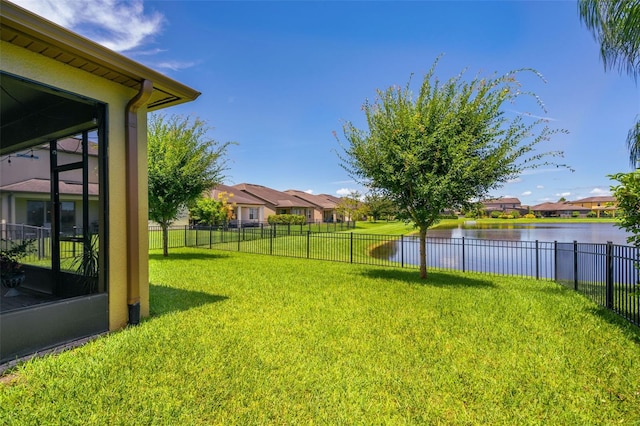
[71, 245]
[606, 273]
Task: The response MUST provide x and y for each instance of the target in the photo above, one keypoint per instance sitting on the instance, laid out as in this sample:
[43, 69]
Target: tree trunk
[165, 240]
[423, 252]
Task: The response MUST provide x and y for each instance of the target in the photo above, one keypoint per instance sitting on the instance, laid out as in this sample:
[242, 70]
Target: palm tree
[615, 24]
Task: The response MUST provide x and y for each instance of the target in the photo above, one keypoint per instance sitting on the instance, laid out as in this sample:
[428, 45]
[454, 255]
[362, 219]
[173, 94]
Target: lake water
[511, 248]
[561, 232]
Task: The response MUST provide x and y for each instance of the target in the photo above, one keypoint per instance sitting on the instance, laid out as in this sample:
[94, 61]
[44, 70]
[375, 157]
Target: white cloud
[514, 180]
[345, 191]
[116, 24]
[563, 194]
[174, 65]
[540, 187]
[309, 191]
[525, 193]
[598, 191]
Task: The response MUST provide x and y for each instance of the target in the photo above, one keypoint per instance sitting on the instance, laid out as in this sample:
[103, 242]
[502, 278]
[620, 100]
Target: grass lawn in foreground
[244, 339]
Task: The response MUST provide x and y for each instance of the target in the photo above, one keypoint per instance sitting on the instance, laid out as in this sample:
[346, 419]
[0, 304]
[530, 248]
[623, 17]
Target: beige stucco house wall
[35, 49]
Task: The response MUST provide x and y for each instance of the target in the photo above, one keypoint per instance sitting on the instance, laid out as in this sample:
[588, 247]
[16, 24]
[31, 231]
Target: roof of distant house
[556, 207]
[320, 200]
[239, 197]
[506, 200]
[272, 196]
[43, 186]
[599, 199]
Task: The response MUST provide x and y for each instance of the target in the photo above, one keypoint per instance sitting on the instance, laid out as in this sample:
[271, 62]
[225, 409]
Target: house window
[253, 213]
[39, 214]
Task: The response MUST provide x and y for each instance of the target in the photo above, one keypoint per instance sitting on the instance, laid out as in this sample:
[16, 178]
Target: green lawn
[245, 339]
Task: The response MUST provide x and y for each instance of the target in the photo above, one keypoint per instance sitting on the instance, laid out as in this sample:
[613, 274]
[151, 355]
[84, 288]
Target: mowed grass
[248, 339]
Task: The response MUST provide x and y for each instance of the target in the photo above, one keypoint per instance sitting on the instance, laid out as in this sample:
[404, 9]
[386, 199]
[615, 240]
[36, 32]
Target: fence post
[575, 265]
[308, 243]
[555, 261]
[464, 257]
[238, 239]
[350, 247]
[537, 262]
[186, 242]
[210, 231]
[270, 241]
[402, 251]
[609, 283]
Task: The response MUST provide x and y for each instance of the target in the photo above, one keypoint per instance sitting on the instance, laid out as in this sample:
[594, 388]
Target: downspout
[132, 200]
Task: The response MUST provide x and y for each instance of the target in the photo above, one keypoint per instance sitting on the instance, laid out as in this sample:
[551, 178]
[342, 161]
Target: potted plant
[11, 270]
[87, 266]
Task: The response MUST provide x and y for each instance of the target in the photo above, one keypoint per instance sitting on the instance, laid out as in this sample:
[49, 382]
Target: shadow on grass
[196, 255]
[630, 330]
[164, 300]
[434, 279]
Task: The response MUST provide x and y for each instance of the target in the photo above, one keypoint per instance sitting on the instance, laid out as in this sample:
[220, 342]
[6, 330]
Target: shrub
[287, 219]
[495, 214]
[515, 214]
[592, 214]
[530, 216]
[575, 214]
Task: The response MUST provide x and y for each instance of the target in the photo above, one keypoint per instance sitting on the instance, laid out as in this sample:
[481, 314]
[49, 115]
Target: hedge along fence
[286, 219]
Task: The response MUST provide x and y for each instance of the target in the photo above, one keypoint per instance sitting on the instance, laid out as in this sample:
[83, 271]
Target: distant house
[25, 187]
[324, 206]
[504, 205]
[277, 202]
[249, 210]
[599, 205]
[561, 209]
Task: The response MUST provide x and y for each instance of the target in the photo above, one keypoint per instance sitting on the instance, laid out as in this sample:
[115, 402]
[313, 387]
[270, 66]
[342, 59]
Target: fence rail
[606, 273]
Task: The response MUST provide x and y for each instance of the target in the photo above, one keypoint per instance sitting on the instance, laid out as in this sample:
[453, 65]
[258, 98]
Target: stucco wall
[36, 67]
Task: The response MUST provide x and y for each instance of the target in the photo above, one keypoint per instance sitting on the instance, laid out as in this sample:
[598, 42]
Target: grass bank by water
[247, 339]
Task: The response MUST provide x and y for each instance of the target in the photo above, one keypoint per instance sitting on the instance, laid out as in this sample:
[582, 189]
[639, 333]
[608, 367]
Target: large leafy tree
[183, 163]
[615, 25]
[627, 193]
[442, 149]
[379, 205]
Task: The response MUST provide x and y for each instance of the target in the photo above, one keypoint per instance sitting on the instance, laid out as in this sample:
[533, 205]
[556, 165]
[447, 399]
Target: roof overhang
[29, 31]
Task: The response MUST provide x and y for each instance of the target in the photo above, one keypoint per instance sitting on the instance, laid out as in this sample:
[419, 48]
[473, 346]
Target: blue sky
[279, 77]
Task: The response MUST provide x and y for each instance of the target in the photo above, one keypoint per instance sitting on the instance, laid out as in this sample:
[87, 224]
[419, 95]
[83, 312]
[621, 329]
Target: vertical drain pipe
[132, 198]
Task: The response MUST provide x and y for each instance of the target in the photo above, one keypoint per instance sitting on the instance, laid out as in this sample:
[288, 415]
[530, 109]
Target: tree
[183, 164]
[209, 211]
[351, 207]
[627, 194]
[378, 205]
[615, 25]
[449, 145]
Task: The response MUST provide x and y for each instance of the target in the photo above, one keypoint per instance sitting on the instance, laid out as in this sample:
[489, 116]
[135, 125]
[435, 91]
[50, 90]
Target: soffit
[29, 31]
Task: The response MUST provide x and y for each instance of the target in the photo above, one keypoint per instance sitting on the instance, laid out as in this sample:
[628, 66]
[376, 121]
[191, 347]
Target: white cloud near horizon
[345, 191]
[118, 25]
[525, 193]
[563, 194]
[309, 191]
[598, 191]
[539, 186]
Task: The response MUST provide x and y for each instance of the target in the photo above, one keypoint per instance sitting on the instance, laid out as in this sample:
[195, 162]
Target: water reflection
[561, 232]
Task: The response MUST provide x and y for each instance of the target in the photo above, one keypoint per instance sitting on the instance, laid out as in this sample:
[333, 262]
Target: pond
[561, 232]
[512, 248]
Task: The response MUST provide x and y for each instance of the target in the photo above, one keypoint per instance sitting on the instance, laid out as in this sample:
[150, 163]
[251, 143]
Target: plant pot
[12, 281]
